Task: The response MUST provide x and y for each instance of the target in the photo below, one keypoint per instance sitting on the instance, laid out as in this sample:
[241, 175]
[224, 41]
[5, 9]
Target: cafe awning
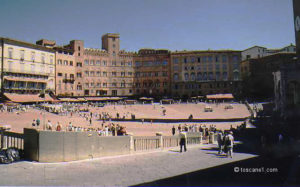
[27, 98]
[220, 96]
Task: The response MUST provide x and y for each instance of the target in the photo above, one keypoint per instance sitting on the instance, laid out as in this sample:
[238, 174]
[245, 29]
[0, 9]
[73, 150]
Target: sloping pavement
[123, 170]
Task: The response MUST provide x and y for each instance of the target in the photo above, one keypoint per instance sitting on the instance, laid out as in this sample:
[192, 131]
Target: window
[225, 76]
[137, 74]
[51, 59]
[185, 60]
[43, 58]
[114, 74]
[104, 84]
[193, 77]
[32, 68]
[92, 84]
[204, 58]
[10, 65]
[98, 74]
[209, 58]
[104, 74]
[175, 60]
[98, 84]
[217, 58]
[193, 59]
[129, 73]
[51, 70]
[114, 84]
[65, 62]
[92, 62]
[129, 63]
[192, 68]
[87, 73]
[79, 64]
[236, 76]
[71, 63]
[137, 63]
[78, 75]
[78, 48]
[199, 76]
[199, 68]
[210, 76]
[165, 63]
[217, 66]
[32, 56]
[224, 58]
[87, 85]
[122, 74]
[114, 53]
[204, 77]
[98, 62]
[123, 84]
[86, 62]
[224, 67]
[79, 87]
[235, 58]
[42, 69]
[186, 76]
[175, 77]
[235, 66]
[92, 73]
[210, 67]
[199, 59]
[10, 52]
[156, 74]
[176, 68]
[104, 63]
[22, 54]
[165, 73]
[218, 76]
[122, 63]
[114, 63]
[114, 92]
[59, 74]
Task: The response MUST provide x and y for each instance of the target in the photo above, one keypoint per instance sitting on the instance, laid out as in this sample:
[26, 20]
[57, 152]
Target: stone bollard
[211, 138]
[201, 138]
[160, 144]
[131, 142]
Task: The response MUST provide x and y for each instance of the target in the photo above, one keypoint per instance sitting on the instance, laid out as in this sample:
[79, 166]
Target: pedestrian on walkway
[183, 139]
[173, 130]
[220, 141]
[229, 139]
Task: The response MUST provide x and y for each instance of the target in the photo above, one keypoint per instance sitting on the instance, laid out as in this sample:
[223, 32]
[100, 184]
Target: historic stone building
[26, 68]
[257, 74]
[152, 73]
[196, 73]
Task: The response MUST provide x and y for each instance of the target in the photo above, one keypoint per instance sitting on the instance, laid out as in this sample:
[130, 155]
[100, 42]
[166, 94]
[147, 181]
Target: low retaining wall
[52, 146]
[48, 146]
[180, 120]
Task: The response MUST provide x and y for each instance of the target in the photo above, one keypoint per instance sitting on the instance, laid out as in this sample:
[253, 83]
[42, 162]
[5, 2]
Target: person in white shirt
[229, 139]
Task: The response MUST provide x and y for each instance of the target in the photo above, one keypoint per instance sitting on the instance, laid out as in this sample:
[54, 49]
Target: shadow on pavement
[234, 174]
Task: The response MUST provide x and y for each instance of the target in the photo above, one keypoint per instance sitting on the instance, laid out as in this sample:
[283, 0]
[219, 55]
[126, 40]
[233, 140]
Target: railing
[142, 143]
[146, 142]
[12, 139]
[170, 141]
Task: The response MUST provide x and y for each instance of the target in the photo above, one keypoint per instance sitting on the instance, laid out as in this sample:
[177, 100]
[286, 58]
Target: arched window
[199, 76]
[193, 77]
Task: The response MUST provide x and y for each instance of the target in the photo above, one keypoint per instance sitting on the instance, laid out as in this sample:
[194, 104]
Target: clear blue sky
[170, 24]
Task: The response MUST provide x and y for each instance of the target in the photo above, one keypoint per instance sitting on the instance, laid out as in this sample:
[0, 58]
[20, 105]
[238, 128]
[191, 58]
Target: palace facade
[74, 70]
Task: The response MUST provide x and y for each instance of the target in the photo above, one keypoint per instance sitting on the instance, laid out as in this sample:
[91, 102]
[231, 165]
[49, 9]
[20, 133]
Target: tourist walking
[173, 130]
[183, 139]
[220, 142]
[228, 143]
[38, 122]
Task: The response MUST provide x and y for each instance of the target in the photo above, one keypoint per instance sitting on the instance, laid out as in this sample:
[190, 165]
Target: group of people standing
[225, 143]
